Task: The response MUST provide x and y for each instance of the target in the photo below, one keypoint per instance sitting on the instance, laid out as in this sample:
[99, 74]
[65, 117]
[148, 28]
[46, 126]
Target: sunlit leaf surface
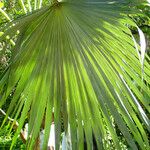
[78, 60]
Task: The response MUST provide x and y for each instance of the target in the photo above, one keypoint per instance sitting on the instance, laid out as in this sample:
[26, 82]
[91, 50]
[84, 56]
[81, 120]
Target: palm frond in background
[78, 60]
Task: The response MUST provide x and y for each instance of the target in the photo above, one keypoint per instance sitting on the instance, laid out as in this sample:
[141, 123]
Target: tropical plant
[79, 61]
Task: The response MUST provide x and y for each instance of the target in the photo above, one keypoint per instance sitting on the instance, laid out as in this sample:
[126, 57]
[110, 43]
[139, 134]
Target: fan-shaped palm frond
[78, 60]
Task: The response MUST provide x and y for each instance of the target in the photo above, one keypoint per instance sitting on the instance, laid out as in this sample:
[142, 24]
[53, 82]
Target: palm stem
[35, 4]
[29, 5]
[4, 14]
[15, 126]
[23, 6]
[40, 3]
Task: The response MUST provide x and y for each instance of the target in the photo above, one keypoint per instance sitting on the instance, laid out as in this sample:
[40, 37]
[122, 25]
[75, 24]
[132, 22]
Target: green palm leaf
[78, 59]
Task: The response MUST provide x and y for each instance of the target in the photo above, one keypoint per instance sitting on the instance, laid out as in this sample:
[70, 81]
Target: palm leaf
[79, 60]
